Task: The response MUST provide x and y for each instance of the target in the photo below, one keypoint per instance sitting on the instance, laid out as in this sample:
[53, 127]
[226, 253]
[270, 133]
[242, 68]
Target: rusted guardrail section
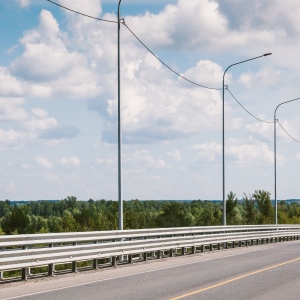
[26, 256]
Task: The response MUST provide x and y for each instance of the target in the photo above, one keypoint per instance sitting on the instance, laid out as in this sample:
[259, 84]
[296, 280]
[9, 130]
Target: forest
[71, 214]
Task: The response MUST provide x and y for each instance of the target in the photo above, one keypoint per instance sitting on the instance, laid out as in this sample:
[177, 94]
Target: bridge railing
[90, 250]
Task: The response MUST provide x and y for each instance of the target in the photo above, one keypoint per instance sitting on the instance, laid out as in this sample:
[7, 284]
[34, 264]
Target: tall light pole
[120, 193]
[275, 159]
[223, 126]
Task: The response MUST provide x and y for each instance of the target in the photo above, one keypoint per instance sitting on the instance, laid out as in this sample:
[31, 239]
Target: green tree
[231, 204]
[173, 214]
[17, 221]
[37, 224]
[69, 224]
[55, 224]
[250, 212]
[4, 208]
[265, 208]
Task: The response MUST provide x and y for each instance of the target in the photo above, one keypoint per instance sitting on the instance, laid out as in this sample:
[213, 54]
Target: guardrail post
[130, 258]
[193, 249]
[144, 256]
[51, 270]
[158, 254]
[95, 264]
[51, 266]
[74, 266]
[171, 252]
[24, 273]
[182, 250]
[1, 275]
[113, 261]
[74, 263]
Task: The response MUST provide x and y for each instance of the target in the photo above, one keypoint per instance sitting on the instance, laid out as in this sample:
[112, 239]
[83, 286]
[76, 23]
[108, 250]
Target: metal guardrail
[27, 253]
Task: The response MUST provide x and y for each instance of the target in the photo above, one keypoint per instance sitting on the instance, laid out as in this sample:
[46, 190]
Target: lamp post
[275, 160]
[223, 131]
[120, 194]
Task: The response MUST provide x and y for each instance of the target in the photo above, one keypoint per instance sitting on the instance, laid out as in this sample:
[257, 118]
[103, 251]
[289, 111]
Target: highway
[270, 271]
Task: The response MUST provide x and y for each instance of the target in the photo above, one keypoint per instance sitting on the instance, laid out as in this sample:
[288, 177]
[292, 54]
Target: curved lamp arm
[275, 157]
[223, 125]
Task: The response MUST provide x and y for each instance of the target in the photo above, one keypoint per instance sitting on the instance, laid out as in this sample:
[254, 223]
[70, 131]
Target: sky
[59, 99]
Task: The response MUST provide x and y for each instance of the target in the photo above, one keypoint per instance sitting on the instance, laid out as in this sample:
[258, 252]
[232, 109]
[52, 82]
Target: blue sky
[58, 98]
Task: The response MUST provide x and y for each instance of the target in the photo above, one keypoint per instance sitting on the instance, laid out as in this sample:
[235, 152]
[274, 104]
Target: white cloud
[9, 85]
[206, 73]
[15, 139]
[90, 7]
[42, 124]
[207, 151]
[263, 77]
[25, 127]
[176, 24]
[40, 113]
[46, 41]
[72, 161]
[238, 152]
[176, 155]
[260, 130]
[110, 162]
[24, 3]
[143, 159]
[65, 70]
[44, 162]
[274, 15]
[252, 154]
[149, 113]
[43, 42]
[11, 109]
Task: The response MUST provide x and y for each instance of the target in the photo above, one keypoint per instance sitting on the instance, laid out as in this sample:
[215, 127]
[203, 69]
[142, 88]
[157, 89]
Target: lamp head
[267, 54]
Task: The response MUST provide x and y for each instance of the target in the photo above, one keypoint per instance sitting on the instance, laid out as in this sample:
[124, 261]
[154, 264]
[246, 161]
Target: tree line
[71, 214]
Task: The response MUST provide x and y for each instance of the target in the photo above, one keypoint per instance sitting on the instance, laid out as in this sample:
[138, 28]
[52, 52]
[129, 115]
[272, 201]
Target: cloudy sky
[58, 98]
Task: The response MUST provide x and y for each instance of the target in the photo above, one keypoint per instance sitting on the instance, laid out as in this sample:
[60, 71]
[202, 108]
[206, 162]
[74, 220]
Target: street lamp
[223, 126]
[120, 194]
[275, 160]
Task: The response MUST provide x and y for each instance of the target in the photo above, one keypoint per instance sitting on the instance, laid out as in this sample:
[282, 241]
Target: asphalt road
[257, 272]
